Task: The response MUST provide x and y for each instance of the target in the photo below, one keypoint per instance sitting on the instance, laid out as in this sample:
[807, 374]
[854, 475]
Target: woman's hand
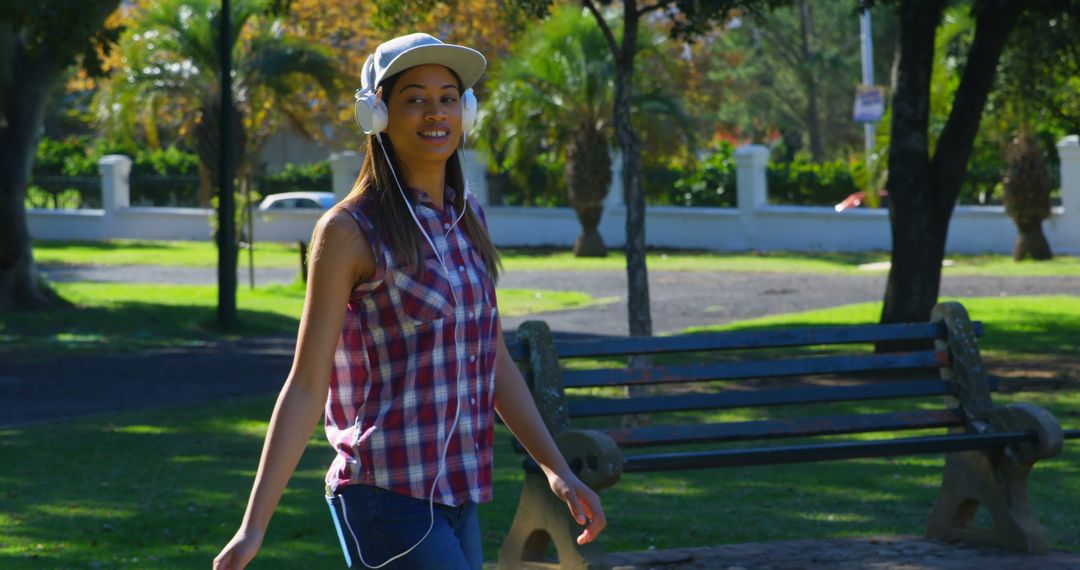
[240, 550]
[583, 502]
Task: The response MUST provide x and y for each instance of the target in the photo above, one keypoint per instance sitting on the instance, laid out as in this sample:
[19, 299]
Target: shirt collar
[449, 195]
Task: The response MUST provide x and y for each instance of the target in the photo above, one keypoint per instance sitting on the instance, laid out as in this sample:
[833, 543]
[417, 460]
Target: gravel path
[34, 392]
[683, 299]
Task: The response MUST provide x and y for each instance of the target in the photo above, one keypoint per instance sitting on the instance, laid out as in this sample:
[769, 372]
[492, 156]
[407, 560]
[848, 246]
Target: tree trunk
[1031, 243]
[914, 276]
[588, 176]
[640, 319]
[923, 195]
[810, 82]
[207, 146]
[25, 82]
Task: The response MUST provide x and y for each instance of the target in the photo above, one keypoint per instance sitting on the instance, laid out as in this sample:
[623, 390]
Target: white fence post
[614, 197]
[751, 189]
[1069, 154]
[345, 168]
[476, 175]
[115, 190]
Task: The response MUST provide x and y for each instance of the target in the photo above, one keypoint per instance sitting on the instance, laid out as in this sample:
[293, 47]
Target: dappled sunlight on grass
[189, 459]
[169, 487]
[1013, 326]
[164, 487]
[144, 430]
[834, 517]
[172, 487]
[661, 484]
[518, 302]
[81, 508]
[111, 317]
[172, 253]
[238, 426]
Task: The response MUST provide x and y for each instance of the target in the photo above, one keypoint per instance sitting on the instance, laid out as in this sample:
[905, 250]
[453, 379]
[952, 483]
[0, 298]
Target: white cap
[403, 52]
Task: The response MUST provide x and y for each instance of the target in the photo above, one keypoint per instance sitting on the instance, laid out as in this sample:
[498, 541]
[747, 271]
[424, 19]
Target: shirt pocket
[425, 298]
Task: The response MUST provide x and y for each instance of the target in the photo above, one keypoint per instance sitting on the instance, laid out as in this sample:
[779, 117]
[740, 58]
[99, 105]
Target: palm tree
[1027, 195]
[553, 101]
[170, 53]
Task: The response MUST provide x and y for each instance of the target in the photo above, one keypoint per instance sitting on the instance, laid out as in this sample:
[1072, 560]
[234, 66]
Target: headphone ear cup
[371, 113]
[468, 110]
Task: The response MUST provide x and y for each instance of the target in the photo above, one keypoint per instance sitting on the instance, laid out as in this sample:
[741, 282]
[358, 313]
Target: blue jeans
[386, 524]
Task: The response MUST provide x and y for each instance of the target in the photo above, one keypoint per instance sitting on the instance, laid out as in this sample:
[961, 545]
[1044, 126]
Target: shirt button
[446, 225]
[472, 401]
[461, 268]
[472, 357]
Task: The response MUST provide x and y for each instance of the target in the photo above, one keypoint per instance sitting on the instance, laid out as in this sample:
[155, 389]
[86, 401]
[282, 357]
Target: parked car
[858, 200]
[298, 201]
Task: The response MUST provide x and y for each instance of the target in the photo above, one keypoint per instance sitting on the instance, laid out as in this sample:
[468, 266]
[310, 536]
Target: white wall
[755, 225]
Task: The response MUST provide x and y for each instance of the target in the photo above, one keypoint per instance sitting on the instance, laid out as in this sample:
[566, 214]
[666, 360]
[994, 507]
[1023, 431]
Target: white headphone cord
[457, 407]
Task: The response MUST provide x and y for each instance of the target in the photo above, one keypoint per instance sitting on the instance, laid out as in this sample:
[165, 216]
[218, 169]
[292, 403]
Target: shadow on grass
[127, 326]
[168, 488]
[163, 490]
[115, 245]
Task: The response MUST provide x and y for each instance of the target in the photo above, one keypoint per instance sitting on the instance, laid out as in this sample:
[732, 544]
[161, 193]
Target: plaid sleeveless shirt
[395, 382]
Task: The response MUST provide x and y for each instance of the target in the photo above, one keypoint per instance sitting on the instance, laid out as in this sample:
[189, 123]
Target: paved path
[867, 553]
[681, 299]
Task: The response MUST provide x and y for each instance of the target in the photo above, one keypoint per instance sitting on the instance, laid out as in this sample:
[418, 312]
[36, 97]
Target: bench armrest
[593, 456]
[1028, 417]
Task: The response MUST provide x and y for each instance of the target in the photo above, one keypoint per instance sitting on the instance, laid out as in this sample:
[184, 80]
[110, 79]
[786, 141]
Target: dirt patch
[1050, 374]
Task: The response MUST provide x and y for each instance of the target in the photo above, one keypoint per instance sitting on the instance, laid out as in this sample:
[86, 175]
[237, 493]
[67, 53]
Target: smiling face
[424, 107]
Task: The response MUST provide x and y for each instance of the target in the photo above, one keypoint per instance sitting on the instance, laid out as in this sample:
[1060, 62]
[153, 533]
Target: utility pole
[869, 130]
[226, 236]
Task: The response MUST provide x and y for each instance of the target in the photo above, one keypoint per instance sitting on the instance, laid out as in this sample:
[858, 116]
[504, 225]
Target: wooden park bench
[989, 449]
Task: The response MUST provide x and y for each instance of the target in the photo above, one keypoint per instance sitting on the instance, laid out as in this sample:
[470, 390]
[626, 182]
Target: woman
[400, 342]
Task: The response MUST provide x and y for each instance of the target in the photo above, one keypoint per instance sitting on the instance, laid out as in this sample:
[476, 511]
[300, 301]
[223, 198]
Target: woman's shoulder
[338, 234]
[336, 228]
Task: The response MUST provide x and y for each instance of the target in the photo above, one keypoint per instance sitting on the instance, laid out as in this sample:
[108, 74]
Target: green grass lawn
[204, 254]
[1014, 327]
[167, 488]
[171, 253]
[128, 317]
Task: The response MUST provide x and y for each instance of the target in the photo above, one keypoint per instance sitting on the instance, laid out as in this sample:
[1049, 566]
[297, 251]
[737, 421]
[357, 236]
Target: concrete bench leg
[540, 520]
[996, 479]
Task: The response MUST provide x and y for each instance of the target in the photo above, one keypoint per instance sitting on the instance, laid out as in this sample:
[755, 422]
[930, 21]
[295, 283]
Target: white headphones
[372, 116]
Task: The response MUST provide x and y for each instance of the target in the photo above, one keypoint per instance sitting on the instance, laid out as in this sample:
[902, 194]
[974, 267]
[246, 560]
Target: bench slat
[773, 429]
[750, 369]
[586, 407]
[620, 346]
[822, 452]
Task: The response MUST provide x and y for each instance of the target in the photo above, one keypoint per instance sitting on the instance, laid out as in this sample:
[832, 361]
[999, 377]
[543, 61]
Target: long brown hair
[392, 220]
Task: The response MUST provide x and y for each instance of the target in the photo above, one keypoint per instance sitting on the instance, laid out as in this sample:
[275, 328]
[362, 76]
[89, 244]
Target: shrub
[805, 183]
[314, 177]
[158, 177]
[712, 183]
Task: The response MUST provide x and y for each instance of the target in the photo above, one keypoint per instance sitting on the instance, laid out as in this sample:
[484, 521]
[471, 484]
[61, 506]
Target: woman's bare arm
[516, 407]
[339, 257]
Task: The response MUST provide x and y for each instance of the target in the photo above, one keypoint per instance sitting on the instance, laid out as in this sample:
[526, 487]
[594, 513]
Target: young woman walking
[400, 345]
